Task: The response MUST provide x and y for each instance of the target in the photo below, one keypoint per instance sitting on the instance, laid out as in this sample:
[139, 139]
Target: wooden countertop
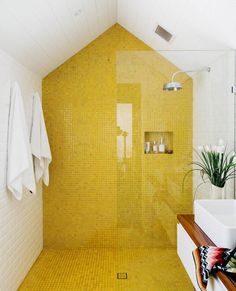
[200, 238]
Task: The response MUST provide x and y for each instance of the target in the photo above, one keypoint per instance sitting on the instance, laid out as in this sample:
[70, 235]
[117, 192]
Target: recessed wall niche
[158, 142]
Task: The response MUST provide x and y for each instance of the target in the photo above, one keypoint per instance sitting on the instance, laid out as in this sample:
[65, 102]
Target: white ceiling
[198, 26]
[42, 34]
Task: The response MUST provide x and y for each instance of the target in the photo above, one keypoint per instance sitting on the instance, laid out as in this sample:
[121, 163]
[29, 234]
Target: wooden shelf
[200, 238]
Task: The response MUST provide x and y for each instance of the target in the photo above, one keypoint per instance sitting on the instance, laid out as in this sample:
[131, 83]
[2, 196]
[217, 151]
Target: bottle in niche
[162, 147]
[154, 147]
[147, 147]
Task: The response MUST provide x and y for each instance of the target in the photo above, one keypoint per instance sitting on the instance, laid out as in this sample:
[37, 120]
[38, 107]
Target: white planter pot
[217, 192]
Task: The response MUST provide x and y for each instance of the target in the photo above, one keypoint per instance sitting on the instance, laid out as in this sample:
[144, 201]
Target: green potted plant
[215, 166]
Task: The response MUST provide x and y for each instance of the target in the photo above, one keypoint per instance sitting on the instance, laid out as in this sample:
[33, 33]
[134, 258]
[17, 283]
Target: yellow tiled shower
[106, 195]
[92, 269]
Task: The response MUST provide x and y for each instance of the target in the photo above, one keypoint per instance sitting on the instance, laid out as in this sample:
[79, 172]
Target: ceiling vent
[167, 36]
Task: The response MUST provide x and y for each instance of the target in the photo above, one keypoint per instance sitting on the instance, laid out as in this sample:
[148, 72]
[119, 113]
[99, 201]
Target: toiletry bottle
[154, 147]
[161, 146]
[147, 147]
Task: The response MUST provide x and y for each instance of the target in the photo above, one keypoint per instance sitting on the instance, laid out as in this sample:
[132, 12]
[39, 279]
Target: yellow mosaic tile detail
[97, 197]
[96, 270]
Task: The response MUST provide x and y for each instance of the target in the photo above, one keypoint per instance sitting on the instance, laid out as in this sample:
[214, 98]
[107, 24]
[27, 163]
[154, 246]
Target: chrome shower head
[176, 86]
[172, 86]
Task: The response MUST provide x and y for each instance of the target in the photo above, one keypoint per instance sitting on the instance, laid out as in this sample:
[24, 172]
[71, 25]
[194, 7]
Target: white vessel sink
[217, 218]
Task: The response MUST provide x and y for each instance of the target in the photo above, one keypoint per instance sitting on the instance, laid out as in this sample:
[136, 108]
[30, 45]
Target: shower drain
[122, 275]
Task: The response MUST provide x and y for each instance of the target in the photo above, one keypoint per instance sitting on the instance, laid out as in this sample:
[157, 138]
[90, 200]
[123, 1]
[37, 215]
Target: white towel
[19, 164]
[39, 142]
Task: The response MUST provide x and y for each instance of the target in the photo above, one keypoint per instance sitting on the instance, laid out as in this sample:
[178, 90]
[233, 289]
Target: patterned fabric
[209, 260]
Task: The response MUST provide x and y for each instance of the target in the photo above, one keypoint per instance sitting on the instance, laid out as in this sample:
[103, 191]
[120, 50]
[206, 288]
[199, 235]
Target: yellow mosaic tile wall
[98, 103]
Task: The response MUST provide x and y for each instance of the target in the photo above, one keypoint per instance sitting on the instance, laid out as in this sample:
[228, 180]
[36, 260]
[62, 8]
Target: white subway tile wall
[21, 231]
[213, 112]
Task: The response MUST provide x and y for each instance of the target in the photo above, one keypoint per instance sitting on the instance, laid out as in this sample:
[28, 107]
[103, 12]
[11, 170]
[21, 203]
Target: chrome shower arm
[208, 69]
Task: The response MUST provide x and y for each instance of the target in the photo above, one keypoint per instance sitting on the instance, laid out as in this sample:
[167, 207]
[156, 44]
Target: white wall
[21, 237]
[213, 110]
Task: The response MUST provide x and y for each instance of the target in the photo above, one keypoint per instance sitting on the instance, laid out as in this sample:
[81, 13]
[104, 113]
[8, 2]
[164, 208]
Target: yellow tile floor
[96, 270]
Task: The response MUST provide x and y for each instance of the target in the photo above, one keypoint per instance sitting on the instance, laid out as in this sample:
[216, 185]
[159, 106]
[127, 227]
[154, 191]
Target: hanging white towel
[39, 142]
[20, 171]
